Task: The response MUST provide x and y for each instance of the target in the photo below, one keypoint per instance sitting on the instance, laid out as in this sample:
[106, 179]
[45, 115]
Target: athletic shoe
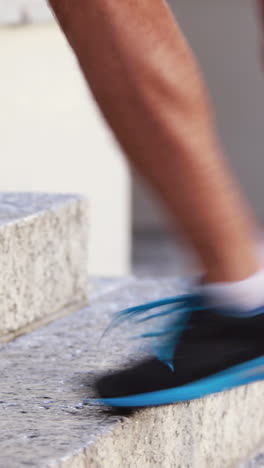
[201, 352]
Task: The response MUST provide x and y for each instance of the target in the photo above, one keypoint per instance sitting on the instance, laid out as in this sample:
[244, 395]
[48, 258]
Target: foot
[202, 352]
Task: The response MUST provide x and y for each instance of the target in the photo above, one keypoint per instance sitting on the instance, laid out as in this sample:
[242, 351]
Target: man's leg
[149, 88]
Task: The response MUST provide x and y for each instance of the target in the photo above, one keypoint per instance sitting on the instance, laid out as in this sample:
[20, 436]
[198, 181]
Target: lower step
[46, 422]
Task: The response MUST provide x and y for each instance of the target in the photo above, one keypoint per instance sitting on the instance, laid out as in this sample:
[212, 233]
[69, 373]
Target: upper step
[46, 422]
[43, 257]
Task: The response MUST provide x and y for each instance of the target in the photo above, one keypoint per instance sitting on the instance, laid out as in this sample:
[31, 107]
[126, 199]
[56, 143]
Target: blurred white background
[52, 137]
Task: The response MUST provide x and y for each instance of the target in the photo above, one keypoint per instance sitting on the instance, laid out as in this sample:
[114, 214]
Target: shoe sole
[241, 374]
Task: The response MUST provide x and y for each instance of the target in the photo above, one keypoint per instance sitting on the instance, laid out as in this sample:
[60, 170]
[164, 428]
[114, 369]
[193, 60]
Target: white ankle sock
[239, 297]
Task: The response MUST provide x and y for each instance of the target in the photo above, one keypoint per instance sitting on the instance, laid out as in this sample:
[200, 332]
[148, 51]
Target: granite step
[43, 246]
[46, 415]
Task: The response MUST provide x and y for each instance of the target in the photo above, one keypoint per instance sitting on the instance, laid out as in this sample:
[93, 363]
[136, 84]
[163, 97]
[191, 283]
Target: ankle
[231, 272]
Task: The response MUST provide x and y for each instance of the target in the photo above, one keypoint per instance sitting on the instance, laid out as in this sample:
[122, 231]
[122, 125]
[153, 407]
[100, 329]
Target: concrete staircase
[47, 418]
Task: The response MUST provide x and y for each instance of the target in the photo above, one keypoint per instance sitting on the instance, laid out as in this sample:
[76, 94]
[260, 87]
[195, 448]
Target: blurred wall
[226, 38]
[24, 11]
[52, 137]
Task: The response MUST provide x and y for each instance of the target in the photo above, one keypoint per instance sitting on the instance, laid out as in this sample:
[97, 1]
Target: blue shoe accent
[242, 374]
[181, 308]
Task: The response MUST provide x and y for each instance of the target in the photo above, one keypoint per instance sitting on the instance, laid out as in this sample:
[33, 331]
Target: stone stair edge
[66, 198]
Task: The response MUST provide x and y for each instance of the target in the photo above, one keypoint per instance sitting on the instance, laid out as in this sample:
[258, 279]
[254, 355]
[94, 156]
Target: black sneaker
[202, 351]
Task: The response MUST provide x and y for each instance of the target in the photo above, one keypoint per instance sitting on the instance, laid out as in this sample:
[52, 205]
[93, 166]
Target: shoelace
[180, 310]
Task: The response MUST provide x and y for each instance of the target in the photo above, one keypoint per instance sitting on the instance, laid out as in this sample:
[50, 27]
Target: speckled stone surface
[43, 256]
[47, 419]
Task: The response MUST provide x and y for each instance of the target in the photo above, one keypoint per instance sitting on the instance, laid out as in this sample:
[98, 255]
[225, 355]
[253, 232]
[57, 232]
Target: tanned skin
[149, 87]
